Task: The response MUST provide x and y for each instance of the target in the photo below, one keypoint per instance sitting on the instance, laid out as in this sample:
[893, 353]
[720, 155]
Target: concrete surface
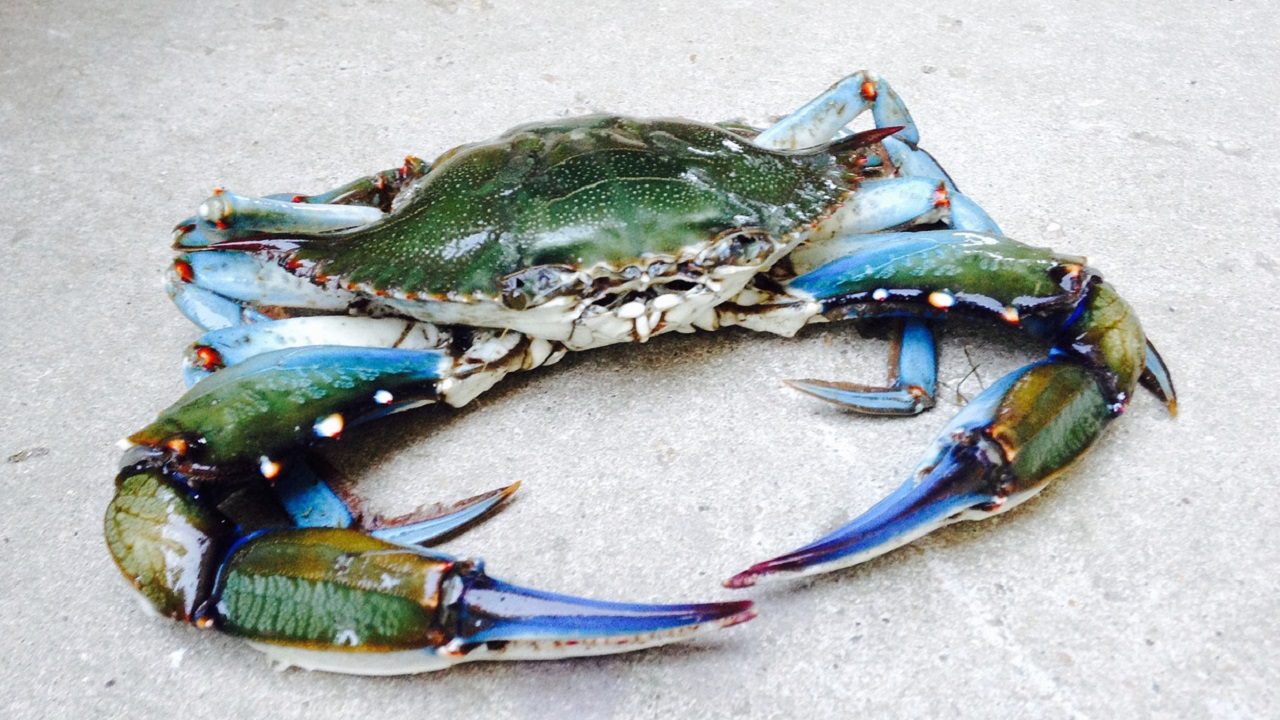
[1144, 584]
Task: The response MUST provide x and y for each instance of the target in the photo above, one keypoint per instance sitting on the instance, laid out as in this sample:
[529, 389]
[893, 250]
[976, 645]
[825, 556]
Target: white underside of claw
[409, 662]
[402, 662]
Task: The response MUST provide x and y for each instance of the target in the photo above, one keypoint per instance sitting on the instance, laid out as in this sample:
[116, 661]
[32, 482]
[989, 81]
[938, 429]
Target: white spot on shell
[880, 294]
[268, 467]
[941, 300]
[330, 426]
[383, 397]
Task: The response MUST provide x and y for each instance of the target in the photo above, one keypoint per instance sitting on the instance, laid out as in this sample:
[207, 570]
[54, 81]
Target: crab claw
[1000, 450]
[958, 487]
[342, 601]
[515, 623]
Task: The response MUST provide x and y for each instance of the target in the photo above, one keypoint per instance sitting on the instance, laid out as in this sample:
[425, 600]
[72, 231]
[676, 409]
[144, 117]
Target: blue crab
[430, 282]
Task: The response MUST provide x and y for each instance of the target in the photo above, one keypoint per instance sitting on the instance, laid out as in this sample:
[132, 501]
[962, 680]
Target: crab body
[553, 229]
[430, 282]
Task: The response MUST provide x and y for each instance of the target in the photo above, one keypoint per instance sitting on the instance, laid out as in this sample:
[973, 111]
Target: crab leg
[343, 601]
[219, 289]
[255, 414]
[913, 377]
[255, 281]
[207, 309]
[312, 498]
[337, 598]
[823, 117]
[227, 216]
[233, 345]
[1016, 436]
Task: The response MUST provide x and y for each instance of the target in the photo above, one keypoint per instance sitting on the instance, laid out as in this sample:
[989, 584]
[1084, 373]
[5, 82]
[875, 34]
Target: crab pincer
[320, 584]
[1022, 431]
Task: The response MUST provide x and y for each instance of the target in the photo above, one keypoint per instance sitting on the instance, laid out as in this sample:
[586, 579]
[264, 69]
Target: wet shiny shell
[581, 193]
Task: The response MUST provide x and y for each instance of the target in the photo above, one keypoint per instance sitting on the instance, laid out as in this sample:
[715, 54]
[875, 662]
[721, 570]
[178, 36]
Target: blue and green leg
[916, 192]
[1022, 431]
[327, 588]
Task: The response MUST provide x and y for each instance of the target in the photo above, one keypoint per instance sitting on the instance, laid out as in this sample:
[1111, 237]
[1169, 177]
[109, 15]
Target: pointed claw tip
[808, 386]
[864, 139]
[1172, 405]
[745, 579]
[728, 613]
[747, 614]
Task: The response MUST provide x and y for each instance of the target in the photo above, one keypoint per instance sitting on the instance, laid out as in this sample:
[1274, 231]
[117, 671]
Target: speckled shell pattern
[578, 194]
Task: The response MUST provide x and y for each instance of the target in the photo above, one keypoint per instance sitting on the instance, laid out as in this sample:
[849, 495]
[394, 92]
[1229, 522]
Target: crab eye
[513, 294]
[536, 285]
[745, 246]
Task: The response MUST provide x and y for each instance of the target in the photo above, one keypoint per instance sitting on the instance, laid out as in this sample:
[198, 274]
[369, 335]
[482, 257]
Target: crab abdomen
[599, 190]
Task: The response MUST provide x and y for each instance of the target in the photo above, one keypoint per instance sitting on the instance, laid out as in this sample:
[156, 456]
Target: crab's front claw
[999, 451]
[342, 601]
[517, 623]
[252, 415]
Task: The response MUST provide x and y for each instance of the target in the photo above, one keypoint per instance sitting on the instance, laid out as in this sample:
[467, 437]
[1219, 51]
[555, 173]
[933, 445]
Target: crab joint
[207, 358]
[868, 90]
[940, 197]
[185, 272]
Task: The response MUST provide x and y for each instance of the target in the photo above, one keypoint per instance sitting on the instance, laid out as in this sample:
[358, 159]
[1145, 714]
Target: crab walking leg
[1020, 433]
[233, 345]
[255, 281]
[313, 497]
[227, 216]
[913, 377]
[343, 601]
[485, 358]
[912, 353]
[823, 117]
[912, 350]
[218, 289]
[207, 309]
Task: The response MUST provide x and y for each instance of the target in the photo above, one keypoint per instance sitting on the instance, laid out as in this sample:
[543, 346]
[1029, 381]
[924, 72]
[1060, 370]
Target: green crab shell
[594, 208]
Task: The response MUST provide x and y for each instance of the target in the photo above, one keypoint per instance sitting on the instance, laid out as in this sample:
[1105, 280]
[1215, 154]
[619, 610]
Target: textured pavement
[1142, 134]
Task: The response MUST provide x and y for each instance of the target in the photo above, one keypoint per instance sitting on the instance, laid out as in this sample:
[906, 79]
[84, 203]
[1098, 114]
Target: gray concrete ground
[1142, 134]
